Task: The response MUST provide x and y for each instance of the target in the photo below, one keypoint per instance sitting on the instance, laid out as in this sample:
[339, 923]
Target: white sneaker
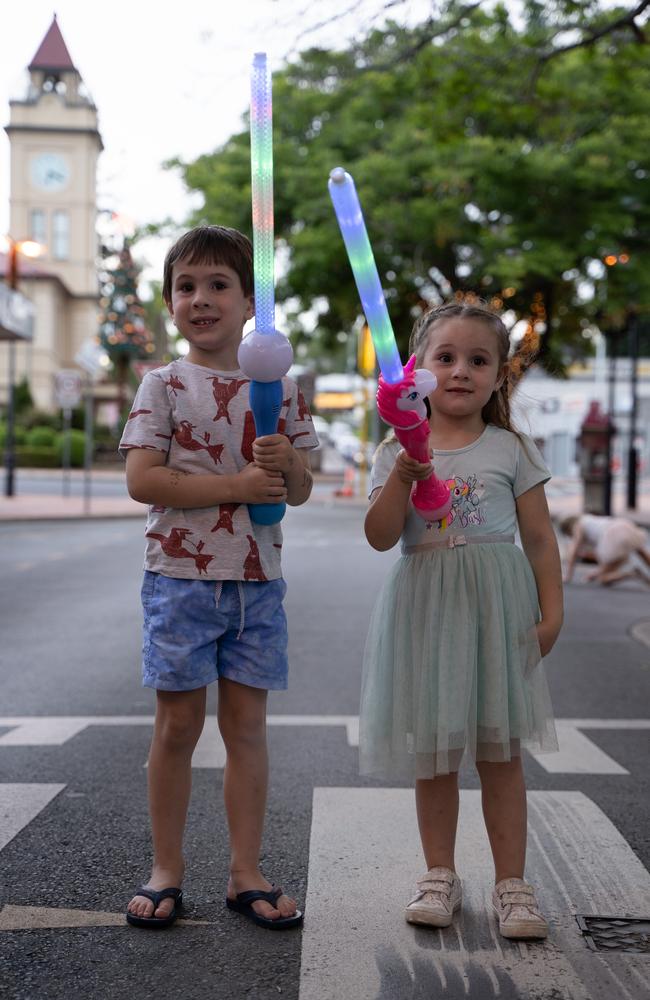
[438, 896]
[514, 902]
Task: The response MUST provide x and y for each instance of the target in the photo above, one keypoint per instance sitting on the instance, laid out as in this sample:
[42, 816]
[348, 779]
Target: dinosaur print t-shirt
[202, 421]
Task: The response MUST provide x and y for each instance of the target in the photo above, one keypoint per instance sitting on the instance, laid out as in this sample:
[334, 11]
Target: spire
[52, 53]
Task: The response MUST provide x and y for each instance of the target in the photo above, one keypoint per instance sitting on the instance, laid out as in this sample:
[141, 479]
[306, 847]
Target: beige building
[55, 143]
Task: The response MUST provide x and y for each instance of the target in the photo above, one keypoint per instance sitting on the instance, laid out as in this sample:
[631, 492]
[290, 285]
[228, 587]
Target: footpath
[39, 496]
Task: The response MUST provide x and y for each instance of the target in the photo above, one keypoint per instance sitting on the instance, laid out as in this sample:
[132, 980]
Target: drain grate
[631, 934]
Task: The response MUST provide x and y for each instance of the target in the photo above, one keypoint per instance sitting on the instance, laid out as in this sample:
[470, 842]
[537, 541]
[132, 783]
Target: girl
[453, 654]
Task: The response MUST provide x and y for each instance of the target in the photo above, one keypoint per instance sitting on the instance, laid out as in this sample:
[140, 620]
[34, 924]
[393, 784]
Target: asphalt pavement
[75, 727]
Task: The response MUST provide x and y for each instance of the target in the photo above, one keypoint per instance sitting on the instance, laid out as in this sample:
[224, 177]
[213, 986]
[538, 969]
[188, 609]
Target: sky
[168, 80]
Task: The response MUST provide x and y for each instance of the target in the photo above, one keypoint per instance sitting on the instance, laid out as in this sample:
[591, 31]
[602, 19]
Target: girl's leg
[438, 893]
[436, 800]
[503, 793]
[242, 722]
[179, 721]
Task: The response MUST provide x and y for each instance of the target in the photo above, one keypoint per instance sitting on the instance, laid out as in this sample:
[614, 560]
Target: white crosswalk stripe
[363, 861]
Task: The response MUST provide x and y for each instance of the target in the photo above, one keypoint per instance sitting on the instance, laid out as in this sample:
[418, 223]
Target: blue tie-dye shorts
[196, 631]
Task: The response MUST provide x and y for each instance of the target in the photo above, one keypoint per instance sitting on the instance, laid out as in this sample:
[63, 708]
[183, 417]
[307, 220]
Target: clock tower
[55, 143]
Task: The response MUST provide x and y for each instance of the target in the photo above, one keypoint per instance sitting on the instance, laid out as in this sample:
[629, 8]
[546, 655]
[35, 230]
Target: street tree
[495, 157]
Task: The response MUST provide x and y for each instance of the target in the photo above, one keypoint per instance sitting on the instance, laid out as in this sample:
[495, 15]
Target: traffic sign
[68, 388]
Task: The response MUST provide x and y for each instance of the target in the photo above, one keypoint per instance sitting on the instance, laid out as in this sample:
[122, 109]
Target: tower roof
[52, 52]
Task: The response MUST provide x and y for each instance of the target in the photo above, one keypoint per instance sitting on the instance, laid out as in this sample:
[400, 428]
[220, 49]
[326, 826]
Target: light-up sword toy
[402, 392]
[264, 355]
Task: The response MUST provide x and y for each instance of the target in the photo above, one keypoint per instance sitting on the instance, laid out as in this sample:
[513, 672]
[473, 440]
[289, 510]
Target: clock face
[50, 171]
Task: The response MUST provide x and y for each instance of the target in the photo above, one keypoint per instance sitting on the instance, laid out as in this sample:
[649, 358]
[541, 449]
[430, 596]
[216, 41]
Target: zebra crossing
[364, 857]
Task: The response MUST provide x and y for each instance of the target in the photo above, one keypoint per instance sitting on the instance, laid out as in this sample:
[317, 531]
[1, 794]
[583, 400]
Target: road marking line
[578, 754]
[20, 804]
[363, 861]
[28, 918]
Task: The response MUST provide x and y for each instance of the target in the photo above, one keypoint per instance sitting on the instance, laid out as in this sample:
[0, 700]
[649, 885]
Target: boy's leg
[503, 793]
[180, 716]
[436, 800]
[242, 722]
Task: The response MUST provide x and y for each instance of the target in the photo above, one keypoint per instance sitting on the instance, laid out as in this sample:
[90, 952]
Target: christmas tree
[122, 330]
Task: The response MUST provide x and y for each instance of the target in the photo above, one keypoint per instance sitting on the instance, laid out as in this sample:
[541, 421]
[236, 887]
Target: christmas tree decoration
[122, 329]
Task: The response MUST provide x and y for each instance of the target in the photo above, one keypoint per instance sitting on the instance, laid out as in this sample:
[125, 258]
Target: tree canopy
[494, 156]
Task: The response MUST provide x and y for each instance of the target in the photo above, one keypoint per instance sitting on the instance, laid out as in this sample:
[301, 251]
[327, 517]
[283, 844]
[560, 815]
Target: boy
[213, 589]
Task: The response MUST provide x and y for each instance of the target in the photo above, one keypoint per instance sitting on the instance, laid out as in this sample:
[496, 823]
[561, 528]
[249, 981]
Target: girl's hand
[409, 470]
[274, 453]
[547, 633]
[255, 485]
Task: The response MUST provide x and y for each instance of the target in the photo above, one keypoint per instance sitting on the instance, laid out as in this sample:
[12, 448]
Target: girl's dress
[452, 660]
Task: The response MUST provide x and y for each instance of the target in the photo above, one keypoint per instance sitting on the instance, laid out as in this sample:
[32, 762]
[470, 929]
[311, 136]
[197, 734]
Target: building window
[60, 235]
[38, 226]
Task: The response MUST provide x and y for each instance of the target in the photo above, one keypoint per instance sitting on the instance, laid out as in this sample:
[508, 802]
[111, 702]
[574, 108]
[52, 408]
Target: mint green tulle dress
[452, 663]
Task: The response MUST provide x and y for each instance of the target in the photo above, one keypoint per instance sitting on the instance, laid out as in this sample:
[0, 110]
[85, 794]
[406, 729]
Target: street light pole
[632, 456]
[10, 441]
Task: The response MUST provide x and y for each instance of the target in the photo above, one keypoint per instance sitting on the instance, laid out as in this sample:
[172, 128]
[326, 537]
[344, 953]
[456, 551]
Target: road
[75, 727]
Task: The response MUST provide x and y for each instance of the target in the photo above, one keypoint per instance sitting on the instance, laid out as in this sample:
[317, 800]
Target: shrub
[77, 447]
[36, 458]
[41, 437]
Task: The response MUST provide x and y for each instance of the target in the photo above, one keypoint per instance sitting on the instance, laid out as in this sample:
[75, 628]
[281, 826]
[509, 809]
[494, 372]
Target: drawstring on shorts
[218, 590]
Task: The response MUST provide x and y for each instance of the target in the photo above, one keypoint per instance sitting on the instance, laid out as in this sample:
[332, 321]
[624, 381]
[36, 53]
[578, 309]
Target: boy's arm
[541, 548]
[274, 453]
[150, 481]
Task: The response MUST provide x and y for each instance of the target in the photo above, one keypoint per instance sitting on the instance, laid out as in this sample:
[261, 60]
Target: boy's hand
[274, 453]
[409, 470]
[255, 485]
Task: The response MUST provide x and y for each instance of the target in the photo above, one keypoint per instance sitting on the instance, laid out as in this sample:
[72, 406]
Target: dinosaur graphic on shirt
[226, 512]
[173, 545]
[223, 392]
[252, 563]
[183, 435]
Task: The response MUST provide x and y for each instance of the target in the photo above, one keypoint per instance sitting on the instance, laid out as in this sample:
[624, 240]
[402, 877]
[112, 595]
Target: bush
[41, 437]
[40, 418]
[20, 435]
[77, 448]
[37, 458]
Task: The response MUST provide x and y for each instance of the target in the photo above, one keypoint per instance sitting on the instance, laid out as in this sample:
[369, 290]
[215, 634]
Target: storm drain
[631, 934]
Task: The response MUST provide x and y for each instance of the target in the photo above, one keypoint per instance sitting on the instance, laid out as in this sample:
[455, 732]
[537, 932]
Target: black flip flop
[156, 898]
[243, 903]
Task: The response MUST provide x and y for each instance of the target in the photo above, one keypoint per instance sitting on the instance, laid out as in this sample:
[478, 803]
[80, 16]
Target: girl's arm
[150, 481]
[540, 545]
[388, 505]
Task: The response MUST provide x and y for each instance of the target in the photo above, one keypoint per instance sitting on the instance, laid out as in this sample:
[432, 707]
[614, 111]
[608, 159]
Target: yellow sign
[366, 360]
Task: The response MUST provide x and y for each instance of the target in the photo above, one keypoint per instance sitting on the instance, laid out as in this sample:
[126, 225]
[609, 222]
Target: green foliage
[77, 448]
[41, 437]
[20, 434]
[22, 397]
[488, 162]
[37, 458]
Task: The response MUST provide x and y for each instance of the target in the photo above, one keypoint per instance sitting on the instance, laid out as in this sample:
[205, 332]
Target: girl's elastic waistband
[454, 541]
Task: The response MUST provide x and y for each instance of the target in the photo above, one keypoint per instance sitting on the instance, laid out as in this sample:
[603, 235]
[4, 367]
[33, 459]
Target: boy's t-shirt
[202, 421]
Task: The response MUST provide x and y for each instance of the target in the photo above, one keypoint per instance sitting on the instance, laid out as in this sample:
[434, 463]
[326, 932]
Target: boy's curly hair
[211, 245]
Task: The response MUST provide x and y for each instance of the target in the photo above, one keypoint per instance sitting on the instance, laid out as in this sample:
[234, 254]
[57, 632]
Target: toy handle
[266, 402]
[431, 497]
